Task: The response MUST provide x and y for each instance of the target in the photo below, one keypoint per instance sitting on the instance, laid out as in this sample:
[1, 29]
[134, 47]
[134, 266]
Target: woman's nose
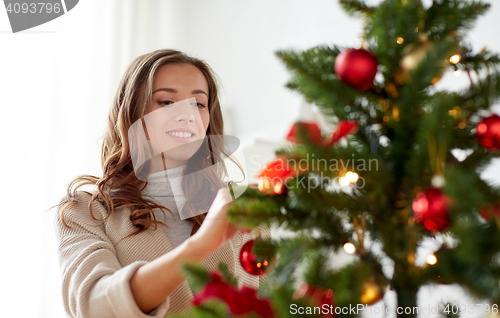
[185, 114]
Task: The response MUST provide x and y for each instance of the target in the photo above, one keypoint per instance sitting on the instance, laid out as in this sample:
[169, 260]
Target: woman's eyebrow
[172, 90]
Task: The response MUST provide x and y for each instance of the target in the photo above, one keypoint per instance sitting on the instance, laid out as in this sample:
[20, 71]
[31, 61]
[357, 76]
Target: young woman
[115, 260]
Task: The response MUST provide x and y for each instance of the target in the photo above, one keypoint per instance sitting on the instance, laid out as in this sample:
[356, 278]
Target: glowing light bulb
[438, 181]
[344, 181]
[431, 259]
[482, 128]
[349, 248]
[400, 40]
[277, 188]
[454, 59]
[457, 73]
[264, 184]
[453, 112]
[352, 176]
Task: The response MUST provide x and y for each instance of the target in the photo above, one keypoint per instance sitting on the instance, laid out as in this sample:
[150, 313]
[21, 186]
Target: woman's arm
[156, 280]
[94, 283]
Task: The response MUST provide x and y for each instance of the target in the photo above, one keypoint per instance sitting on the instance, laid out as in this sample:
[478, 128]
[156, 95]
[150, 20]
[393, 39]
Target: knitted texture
[167, 191]
[96, 269]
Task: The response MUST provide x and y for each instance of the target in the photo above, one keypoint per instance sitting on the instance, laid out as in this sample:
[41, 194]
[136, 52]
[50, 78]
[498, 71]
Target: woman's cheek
[206, 122]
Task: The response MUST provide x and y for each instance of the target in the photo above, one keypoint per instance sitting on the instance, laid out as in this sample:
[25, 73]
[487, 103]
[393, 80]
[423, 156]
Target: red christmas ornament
[489, 212]
[312, 130]
[319, 297]
[430, 209]
[356, 68]
[248, 260]
[488, 133]
[344, 128]
[273, 177]
[239, 302]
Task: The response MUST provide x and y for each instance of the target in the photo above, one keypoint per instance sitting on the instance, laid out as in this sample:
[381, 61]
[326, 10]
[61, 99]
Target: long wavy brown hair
[119, 187]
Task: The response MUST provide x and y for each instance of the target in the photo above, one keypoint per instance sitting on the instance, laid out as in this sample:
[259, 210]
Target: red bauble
[344, 128]
[488, 133]
[488, 212]
[357, 68]
[430, 209]
[248, 260]
[312, 130]
[274, 176]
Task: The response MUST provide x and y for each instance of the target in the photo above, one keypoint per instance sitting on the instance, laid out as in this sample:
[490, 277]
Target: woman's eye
[168, 102]
[200, 105]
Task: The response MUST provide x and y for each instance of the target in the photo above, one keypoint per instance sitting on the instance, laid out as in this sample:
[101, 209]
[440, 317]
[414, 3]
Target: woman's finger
[222, 198]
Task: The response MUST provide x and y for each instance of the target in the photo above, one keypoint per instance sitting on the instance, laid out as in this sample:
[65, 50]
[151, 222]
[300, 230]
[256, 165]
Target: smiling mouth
[180, 134]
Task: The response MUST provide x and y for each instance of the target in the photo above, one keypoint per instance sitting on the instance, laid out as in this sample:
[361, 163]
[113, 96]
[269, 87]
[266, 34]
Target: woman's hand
[156, 280]
[216, 229]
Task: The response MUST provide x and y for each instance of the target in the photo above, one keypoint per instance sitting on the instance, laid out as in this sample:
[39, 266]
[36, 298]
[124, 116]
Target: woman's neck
[160, 163]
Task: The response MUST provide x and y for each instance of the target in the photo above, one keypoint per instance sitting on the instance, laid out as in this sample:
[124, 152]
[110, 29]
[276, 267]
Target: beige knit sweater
[96, 270]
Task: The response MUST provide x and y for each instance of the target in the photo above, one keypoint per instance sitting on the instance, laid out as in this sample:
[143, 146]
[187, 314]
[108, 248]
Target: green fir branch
[468, 191]
[485, 59]
[197, 276]
[228, 276]
[391, 20]
[446, 16]
[355, 7]
[315, 79]
[320, 217]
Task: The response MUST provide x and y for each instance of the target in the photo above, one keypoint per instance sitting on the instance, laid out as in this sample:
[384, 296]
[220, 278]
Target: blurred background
[57, 82]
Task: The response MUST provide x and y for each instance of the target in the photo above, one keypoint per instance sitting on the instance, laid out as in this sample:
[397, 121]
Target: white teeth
[181, 134]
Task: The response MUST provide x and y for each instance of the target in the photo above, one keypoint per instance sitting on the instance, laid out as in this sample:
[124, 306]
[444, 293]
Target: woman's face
[177, 118]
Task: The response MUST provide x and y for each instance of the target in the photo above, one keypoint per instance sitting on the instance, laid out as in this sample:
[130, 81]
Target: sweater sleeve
[94, 284]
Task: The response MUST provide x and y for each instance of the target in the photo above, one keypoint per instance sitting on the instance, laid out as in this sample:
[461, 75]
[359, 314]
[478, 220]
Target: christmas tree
[384, 179]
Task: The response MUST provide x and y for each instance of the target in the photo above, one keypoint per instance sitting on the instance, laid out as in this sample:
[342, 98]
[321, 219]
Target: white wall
[239, 39]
